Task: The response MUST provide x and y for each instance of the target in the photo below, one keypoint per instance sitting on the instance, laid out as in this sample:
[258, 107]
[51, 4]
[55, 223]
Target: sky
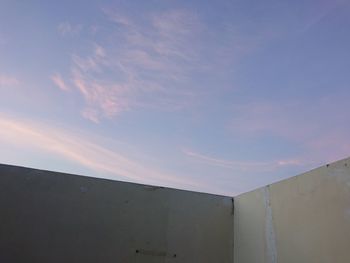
[211, 96]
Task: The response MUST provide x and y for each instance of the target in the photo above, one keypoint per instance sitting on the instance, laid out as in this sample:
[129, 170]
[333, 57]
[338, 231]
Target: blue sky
[211, 96]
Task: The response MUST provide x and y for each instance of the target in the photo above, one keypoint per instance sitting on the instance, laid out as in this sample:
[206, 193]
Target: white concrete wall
[305, 219]
[54, 217]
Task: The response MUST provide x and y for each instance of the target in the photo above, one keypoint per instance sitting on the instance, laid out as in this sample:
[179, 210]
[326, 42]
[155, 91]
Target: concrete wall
[305, 219]
[54, 217]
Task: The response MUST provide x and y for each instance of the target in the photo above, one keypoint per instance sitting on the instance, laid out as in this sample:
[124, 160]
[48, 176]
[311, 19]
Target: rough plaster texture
[54, 217]
[304, 219]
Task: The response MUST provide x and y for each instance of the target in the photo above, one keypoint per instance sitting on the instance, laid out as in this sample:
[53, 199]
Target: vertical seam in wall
[269, 229]
[233, 230]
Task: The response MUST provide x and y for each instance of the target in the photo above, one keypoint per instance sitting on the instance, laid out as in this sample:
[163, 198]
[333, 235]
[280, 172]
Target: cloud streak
[59, 82]
[81, 150]
[243, 166]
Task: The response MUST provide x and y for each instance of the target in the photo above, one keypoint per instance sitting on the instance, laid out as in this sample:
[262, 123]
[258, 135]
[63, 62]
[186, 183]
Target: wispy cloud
[145, 63]
[75, 147]
[117, 17]
[90, 114]
[102, 99]
[67, 29]
[148, 66]
[6, 81]
[243, 166]
[59, 82]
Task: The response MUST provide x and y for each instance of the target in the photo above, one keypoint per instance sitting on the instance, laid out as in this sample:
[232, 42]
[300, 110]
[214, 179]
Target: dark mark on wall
[153, 188]
[154, 253]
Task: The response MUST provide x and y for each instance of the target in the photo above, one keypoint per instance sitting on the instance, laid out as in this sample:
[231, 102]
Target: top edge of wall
[87, 177]
[325, 166]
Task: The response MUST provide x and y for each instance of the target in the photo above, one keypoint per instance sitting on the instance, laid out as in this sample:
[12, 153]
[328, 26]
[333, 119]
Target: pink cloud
[106, 100]
[91, 114]
[144, 64]
[59, 82]
[6, 80]
[243, 166]
[84, 149]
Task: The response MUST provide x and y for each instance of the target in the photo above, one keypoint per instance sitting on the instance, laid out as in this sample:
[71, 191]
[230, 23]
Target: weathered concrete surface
[305, 219]
[54, 217]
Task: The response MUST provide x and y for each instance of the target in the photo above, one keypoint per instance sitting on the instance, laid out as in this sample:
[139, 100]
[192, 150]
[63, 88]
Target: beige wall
[53, 217]
[305, 219]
